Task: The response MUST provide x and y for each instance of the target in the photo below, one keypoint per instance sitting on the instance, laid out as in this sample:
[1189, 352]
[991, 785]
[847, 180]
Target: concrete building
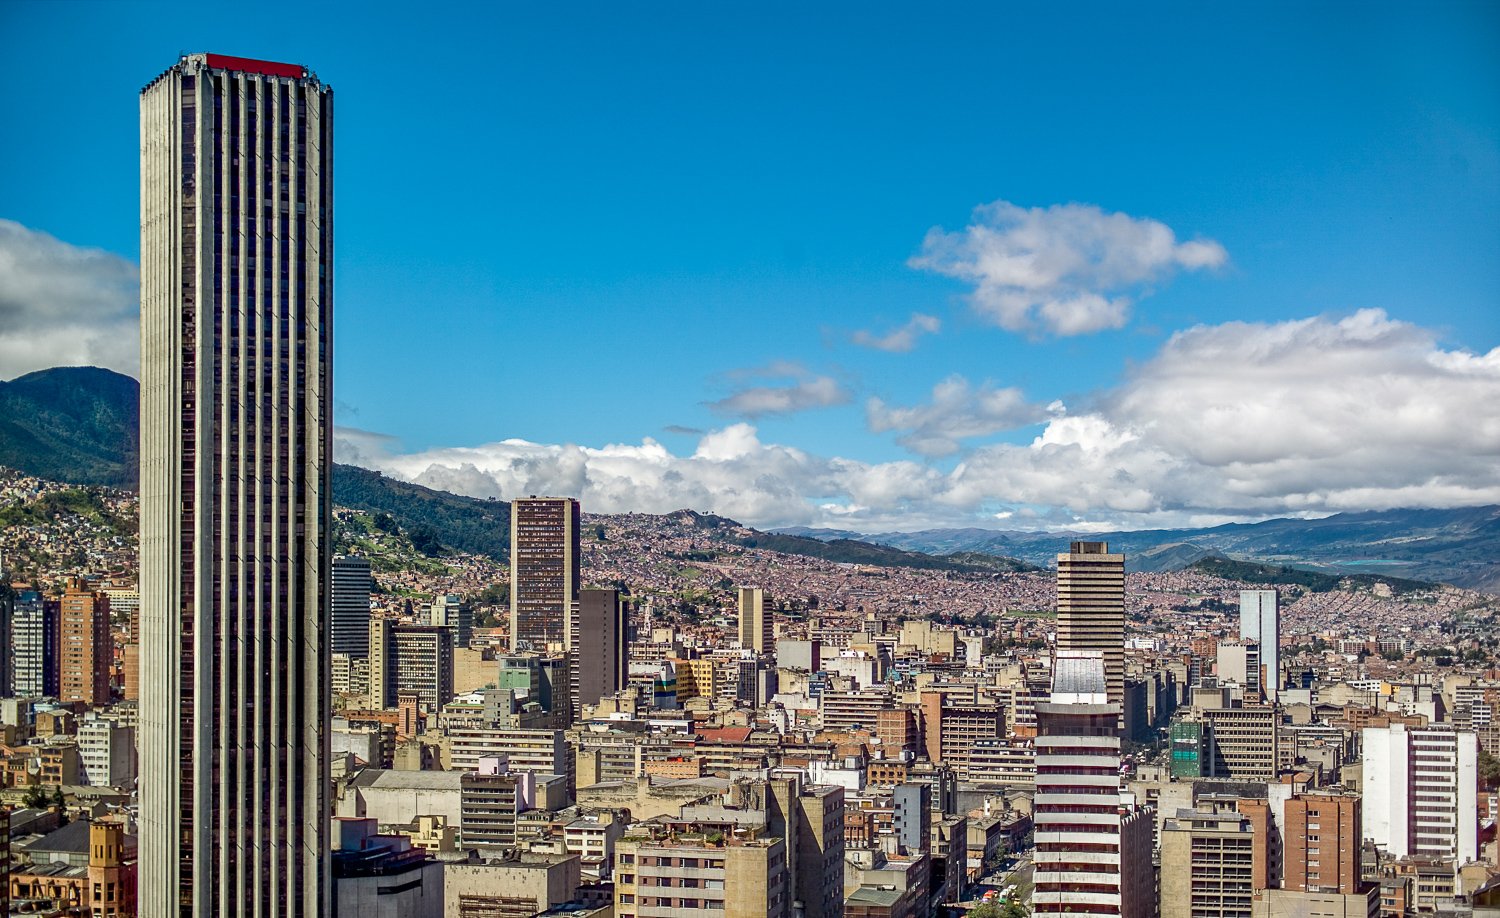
[383, 876]
[1242, 742]
[1419, 791]
[86, 648]
[738, 876]
[398, 797]
[36, 631]
[410, 659]
[235, 506]
[451, 612]
[524, 884]
[599, 647]
[106, 752]
[1260, 621]
[1207, 865]
[755, 625]
[1239, 663]
[911, 816]
[811, 820]
[1093, 850]
[544, 583]
[349, 626]
[542, 751]
[1091, 609]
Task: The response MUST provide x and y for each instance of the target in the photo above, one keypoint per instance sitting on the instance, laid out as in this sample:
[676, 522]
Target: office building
[755, 621]
[1241, 742]
[236, 458]
[911, 816]
[1419, 791]
[544, 584]
[86, 649]
[36, 631]
[1207, 865]
[7, 649]
[451, 612]
[1239, 665]
[489, 799]
[1093, 851]
[744, 876]
[106, 752]
[350, 625]
[1091, 609]
[811, 820]
[410, 660]
[599, 647]
[1260, 621]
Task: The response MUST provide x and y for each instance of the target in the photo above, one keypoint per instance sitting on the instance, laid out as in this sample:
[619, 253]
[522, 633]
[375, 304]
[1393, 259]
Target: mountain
[79, 425]
[1459, 546]
[432, 519]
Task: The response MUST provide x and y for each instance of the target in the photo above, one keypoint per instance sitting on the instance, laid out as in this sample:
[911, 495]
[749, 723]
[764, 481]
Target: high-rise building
[350, 625]
[755, 621]
[1093, 851]
[86, 646]
[451, 612]
[600, 645]
[1207, 865]
[1260, 621]
[544, 556]
[911, 817]
[35, 630]
[236, 458]
[410, 659]
[7, 651]
[1239, 663]
[1420, 791]
[1091, 609]
[1323, 839]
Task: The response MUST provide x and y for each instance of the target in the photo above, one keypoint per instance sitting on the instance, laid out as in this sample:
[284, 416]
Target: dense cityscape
[227, 693]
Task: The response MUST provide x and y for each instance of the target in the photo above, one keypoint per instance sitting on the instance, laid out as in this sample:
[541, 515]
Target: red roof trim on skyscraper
[250, 65]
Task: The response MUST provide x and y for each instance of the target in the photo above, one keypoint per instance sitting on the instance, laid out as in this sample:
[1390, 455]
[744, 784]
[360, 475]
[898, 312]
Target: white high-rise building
[107, 752]
[236, 456]
[1260, 621]
[1093, 845]
[1419, 791]
[351, 607]
[451, 612]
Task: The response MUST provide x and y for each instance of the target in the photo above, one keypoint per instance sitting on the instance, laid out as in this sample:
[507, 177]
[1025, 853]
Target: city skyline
[919, 297]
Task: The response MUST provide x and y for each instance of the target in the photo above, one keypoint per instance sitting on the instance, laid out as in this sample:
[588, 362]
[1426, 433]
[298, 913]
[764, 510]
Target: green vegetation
[380, 539]
[79, 425]
[87, 503]
[1312, 581]
[433, 520]
[851, 551]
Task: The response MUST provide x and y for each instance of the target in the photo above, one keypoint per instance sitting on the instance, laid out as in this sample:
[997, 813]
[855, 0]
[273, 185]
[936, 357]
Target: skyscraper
[1093, 850]
[35, 632]
[86, 649]
[599, 647]
[1260, 621]
[544, 537]
[350, 628]
[1091, 609]
[236, 397]
[755, 624]
[451, 612]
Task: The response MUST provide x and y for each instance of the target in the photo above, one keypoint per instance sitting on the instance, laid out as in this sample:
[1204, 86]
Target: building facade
[350, 624]
[756, 632]
[236, 437]
[1260, 621]
[1091, 609]
[86, 649]
[544, 558]
[1420, 791]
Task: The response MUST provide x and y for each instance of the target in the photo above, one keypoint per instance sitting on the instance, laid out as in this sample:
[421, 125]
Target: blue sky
[588, 224]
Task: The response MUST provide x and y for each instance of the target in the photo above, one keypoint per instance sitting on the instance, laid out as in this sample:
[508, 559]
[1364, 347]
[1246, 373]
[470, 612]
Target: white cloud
[62, 305]
[1069, 269]
[800, 395]
[899, 340]
[957, 412]
[1235, 421]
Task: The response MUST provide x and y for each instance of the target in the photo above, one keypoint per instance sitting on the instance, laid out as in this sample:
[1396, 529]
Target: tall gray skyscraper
[236, 398]
[351, 606]
[600, 642]
[1260, 621]
[1091, 609]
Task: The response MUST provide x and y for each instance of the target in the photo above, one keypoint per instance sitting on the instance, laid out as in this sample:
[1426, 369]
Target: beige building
[527, 884]
[1091, 609]
[756, 631]
[730, 876]
[1207, 865]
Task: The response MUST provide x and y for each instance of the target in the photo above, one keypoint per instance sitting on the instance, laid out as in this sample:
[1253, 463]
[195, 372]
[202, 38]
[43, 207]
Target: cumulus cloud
[902, 339]
[801, 393]
[1226, 422]
[957, 412]
[1069, 269]
[62, 305]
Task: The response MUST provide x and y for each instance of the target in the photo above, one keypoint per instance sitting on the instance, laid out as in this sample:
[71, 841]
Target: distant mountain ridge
[80, 425]
[1459, 546]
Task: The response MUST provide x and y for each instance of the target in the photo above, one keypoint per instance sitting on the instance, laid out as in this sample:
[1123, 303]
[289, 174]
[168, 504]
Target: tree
[1010, 909]
[1489, 769]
